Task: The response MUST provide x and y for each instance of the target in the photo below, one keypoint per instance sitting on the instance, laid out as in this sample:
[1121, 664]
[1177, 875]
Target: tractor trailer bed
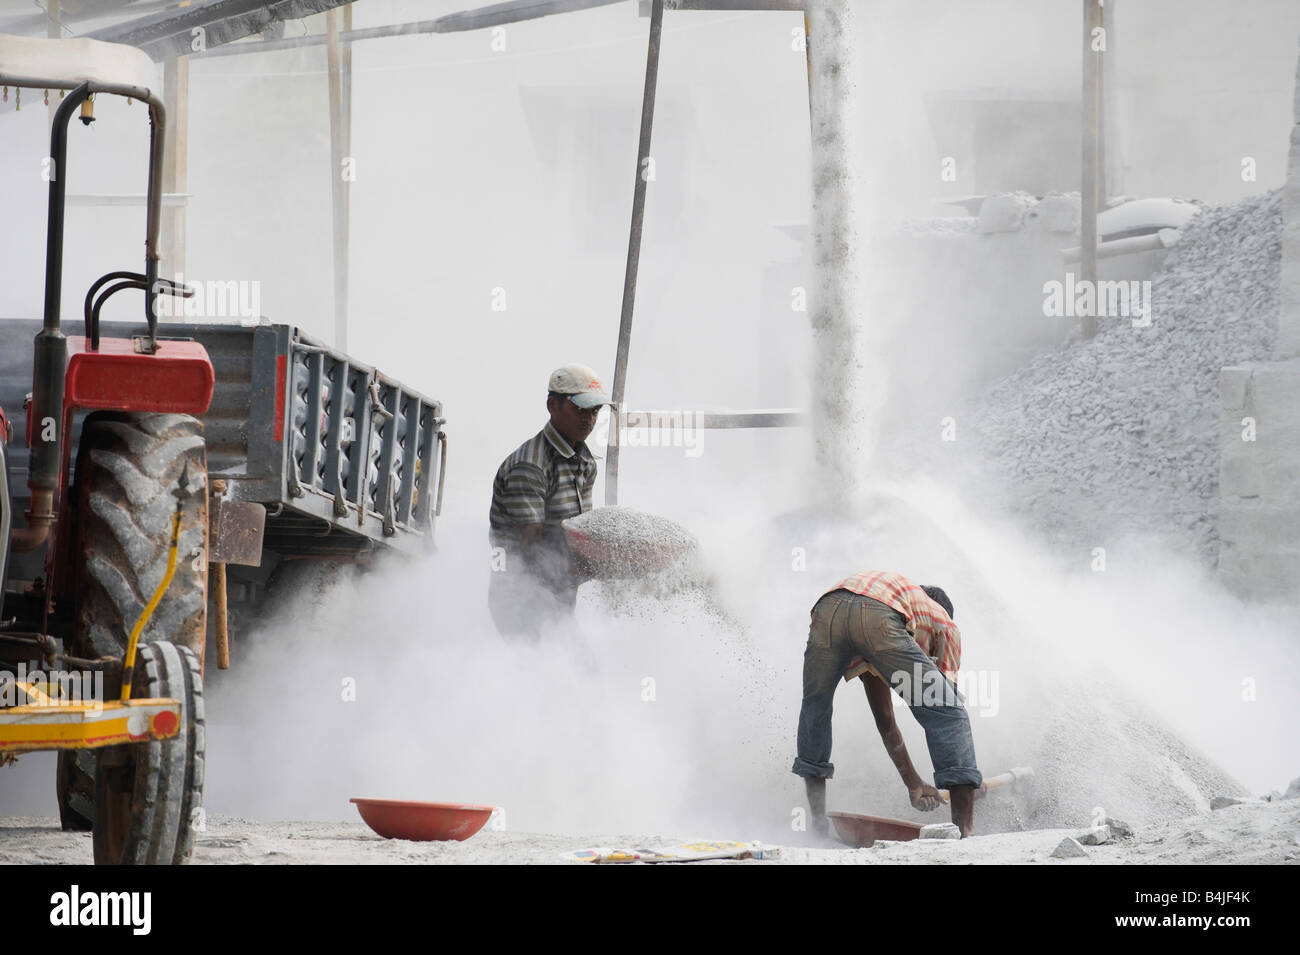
[344, 458]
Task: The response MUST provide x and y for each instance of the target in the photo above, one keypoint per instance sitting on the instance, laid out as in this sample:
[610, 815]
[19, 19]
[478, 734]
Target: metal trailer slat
[409, 458]
[363, 426]
[387, 458]
[315, 413]
[333, 480]
[421, 511]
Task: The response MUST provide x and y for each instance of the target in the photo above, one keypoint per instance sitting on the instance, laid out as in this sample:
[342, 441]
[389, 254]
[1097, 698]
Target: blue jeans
[846, 625]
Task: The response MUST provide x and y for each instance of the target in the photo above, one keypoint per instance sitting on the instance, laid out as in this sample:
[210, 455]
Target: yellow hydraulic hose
[128, 668]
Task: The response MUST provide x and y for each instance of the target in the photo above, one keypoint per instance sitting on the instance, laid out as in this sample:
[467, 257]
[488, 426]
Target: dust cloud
[1143, 689]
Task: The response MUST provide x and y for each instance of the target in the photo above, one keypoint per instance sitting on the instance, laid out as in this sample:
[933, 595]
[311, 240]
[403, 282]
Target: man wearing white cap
[547, 479]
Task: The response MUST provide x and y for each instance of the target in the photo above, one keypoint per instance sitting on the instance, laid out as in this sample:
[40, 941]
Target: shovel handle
[997, 782]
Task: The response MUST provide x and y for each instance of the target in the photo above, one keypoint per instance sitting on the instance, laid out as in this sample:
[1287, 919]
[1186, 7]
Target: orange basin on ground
[861, 830]
[423, 821]
[645, 555]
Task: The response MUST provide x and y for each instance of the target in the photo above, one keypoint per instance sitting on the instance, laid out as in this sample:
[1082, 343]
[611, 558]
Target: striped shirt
[927, 622]
[545, 481]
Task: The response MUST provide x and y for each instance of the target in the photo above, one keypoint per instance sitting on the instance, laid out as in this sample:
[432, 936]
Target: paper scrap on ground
[685, 852]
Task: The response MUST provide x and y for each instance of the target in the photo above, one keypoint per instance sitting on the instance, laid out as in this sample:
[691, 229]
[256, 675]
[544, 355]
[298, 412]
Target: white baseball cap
[581, 384]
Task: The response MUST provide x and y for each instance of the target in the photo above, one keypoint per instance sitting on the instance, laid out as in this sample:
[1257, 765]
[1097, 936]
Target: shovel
[858, 829]
[999, 781]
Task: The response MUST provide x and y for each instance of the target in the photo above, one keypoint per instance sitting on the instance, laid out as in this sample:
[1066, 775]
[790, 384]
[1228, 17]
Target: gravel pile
[1123, 431]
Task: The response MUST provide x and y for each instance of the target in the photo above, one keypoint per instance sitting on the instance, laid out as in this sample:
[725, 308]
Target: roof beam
[173, 33]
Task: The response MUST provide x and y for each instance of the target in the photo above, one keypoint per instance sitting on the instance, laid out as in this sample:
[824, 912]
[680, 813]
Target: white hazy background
[479, 170]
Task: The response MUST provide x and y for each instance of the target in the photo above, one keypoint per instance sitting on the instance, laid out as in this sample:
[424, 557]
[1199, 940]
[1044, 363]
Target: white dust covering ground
[1266, 833]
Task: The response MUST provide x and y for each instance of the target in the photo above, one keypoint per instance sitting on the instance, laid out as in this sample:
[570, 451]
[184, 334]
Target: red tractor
[311, 455]
[111, 541]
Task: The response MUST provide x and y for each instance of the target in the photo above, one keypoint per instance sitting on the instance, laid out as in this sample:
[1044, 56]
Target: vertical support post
[347, 79]
[53, 29]
[220, 610]
[217, 587]
[1091, 120]
[807, 53]
[1103, 57]
[1112, 155]
[176, 100]
[340, 87]
[841, 417]
[633, 249]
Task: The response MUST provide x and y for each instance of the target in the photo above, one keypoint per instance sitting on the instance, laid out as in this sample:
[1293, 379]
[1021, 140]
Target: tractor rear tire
[148, 796]
[128, 469]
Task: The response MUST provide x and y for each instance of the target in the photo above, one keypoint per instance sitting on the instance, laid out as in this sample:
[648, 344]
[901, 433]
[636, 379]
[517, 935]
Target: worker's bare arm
[881, 698]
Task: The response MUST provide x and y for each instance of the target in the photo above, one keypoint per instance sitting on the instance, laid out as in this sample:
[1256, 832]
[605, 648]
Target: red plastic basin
[861, 830]
[423, 821]
[626, 558]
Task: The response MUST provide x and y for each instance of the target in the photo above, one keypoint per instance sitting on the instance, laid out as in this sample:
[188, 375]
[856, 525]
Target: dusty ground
[1265, 833]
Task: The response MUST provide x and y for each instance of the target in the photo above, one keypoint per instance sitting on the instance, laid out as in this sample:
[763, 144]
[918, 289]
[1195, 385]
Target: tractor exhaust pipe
[39, 521]
[50, 361]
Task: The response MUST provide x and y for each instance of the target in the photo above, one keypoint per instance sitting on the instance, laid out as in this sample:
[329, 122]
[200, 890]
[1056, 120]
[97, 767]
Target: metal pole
[633, 248]
[347, 84]
[1112, 168]
[807, 58]
[1088, 191]
[54, 215]
[53, 30]
[176, 96]
[1104, 20]
[50, 357]
[338, 187]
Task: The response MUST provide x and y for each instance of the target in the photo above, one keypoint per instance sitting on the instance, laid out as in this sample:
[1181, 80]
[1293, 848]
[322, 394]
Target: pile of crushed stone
[1123, 431]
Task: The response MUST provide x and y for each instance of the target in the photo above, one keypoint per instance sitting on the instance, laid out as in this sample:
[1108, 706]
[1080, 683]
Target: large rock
[940, 830]
[1118, 828]
[1069, 849]
[1094, 836]
[1223, 802]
